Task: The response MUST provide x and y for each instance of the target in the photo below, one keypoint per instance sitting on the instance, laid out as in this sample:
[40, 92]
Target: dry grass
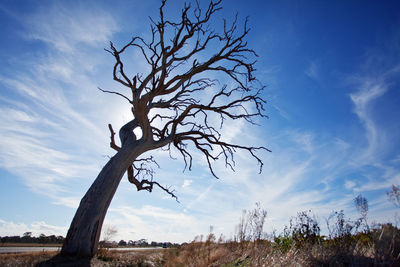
[266, 254]
[143, 258]
[379, 248]
[24, 259]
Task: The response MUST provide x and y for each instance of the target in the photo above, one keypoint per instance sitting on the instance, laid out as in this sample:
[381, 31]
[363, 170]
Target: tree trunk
[83, 235]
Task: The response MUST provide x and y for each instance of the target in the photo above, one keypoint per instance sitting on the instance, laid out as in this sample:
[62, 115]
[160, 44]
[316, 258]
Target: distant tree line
[52, 239]
[138, 243]
[28, 238]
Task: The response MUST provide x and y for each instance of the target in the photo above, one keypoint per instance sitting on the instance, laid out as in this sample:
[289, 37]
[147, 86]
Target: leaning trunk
[84, 233]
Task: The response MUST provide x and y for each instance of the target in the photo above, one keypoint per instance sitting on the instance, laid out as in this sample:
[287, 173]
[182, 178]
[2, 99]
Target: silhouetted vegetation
[141, 243]
[27, 238]
[349, 243]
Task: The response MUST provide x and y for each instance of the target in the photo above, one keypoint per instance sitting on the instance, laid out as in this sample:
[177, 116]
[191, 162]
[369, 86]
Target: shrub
[283, 243]
[305, 230]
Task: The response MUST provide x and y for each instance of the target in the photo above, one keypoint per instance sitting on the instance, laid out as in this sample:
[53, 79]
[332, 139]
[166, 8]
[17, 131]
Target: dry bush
[201, 253]
[386, 244]
[142, 258]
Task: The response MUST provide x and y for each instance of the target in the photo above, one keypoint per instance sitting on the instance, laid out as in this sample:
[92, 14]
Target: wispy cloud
[71, 202]
[349, 185]
[368, 91]
[312, 70]
[374, 156]
[48, 138]
[187, 183]
[68, 28]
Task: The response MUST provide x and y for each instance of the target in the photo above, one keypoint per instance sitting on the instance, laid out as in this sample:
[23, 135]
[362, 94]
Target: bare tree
[251, 225]
[109, 233]
[171, 109]
[256, 221]
[242, 228]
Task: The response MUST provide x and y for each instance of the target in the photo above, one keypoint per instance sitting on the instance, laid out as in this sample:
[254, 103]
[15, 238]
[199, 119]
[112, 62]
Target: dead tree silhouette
[174, 106]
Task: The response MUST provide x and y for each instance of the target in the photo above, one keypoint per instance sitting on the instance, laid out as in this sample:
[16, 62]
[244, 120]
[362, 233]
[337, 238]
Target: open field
[28, 245]
[16, 249]
[22, 248]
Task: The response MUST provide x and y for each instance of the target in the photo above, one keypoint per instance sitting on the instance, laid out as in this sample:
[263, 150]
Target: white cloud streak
[313, 70]
[47, 139]
[362, 99]
[67, 28]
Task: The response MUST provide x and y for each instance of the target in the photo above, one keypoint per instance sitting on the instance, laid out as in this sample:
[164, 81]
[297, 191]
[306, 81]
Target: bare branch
[175, 105]
[112, 143]
[116, 93]
[144, 170]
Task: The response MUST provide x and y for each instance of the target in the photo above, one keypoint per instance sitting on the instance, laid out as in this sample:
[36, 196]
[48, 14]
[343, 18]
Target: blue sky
[332, 74]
